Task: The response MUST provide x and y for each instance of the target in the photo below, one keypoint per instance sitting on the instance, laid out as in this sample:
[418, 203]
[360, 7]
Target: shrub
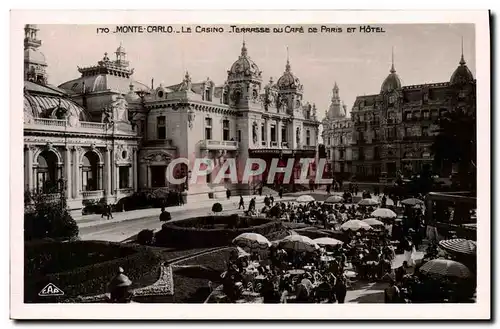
[48, 218]
[72, 267]
[145, 237]
[217, 207]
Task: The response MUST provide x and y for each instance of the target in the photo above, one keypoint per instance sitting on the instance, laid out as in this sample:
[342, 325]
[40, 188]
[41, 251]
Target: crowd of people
[325, 274]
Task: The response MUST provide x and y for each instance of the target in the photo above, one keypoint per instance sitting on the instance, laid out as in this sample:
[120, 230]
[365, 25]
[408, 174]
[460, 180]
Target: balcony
[92, 195]
[274, 144]
[284, 144]
[210, 144]
[123, 192]
[309, 147]
[81, 126]
[264, 143]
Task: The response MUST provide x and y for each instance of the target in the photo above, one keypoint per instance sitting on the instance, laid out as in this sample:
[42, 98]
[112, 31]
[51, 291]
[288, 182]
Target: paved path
[127, 224]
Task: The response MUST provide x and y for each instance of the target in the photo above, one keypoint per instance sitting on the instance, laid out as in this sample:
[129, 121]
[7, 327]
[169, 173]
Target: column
[107, 169]
[116, 178]
[29, 168]
[134, 169]
[268, 133]
[278, 133]
[149, 177]
[100, 176]
[76, 173]
[67, 167]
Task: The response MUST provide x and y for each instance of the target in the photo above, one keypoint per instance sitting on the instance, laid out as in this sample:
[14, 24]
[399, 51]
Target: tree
[455, 144]
[46, 217]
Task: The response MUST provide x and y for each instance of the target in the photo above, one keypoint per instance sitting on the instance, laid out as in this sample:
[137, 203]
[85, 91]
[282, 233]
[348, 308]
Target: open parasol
[412, 202]
[446, 267]
[460, 246]
[355, 225]
[327, 241]
[252, 241]
[368, 202]
[298, 243]
[373, 222]
[305, 198]
[384, 213]
[334, 199]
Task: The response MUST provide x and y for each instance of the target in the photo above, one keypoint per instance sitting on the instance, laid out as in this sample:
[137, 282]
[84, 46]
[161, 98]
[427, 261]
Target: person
[242, 203]
[281, 192]
[228, 194]
[391, 293]
[165, 215]
[409, 250]
[328, 189]
[108, 212]
[271, 199]
[260, 190]
[340, 289]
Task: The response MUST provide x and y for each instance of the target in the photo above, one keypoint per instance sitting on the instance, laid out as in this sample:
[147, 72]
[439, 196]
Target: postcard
[304, 158]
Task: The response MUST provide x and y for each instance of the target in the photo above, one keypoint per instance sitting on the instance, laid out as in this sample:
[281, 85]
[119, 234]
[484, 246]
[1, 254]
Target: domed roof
[392, 82]
[288, 80]
[244, 67]
[34, 56]
[102, 82]
[462, 74]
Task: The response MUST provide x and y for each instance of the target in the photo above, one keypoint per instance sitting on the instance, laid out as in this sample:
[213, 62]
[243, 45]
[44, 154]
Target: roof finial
[462, 60]
[287, 60]
[244, 50]
[393, 70]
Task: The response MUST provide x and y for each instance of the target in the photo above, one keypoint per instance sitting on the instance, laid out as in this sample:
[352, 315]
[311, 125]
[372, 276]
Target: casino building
[104, 135]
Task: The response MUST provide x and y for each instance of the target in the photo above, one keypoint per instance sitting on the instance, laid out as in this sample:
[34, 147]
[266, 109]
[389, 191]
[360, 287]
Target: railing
[126, 191]
[160, 142]
[215, 144]
[264, 143]
[92, 194]
[274, 144]
[309, 147]
[92, 125]
[284, 144]
[50, 122]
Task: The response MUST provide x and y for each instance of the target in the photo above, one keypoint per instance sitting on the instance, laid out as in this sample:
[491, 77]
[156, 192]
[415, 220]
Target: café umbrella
[305, 198]
[355, 225]
[373, 222]
[334, 199]
[368, 202]
[446, 267]
[412, 202]
[459, 246]
[326, 241]
[252, 241]
[298, 243]
[384, 213]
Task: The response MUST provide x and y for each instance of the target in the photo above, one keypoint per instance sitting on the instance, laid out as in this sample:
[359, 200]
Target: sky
[358, 62]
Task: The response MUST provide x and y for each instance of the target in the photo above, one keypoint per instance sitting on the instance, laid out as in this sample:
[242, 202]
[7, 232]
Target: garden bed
[212, 231]
[191, 284]
[84, 267]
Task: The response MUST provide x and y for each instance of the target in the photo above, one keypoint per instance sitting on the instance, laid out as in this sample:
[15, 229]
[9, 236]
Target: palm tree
[455, 144]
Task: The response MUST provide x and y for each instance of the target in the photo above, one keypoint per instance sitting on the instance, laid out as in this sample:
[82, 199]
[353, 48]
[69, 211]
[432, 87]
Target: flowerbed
[84, 267]
[212, 231]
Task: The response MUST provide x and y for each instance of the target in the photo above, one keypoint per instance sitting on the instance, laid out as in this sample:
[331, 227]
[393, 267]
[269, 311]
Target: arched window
[46, 174]
[90, 177]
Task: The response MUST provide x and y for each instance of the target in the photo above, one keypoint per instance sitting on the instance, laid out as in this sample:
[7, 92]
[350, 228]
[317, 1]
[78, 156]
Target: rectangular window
[239, 135]
[425, 115]
[425, 131]
[124, 177]
[158, 176]
[416, 115]
[283, 134]
[208, 128]
[308, 137]
[208, 95]
[225, 130]
[408, 132]
[161, 128]
[273, 133]
[407, 116]
[262, 133]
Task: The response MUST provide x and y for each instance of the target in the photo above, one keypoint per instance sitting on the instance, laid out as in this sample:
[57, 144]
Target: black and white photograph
[325, 162]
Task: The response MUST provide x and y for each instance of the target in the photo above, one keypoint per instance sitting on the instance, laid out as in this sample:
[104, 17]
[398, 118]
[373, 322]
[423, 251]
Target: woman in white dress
[410, 250]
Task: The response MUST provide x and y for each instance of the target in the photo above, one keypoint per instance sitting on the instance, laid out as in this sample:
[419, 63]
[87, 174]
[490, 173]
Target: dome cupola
[244, 68]
[392, 82]
[462, 73]
[288, 81]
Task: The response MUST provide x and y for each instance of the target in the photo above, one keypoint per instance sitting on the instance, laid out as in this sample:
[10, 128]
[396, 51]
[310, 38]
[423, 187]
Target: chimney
[152, 83]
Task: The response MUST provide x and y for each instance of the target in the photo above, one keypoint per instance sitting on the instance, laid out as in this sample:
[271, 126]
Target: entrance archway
[46, 172]
[90, 172]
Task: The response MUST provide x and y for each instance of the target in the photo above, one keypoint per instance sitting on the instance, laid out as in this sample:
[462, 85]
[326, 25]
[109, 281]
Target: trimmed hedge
[66, 266]
[200, 232]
